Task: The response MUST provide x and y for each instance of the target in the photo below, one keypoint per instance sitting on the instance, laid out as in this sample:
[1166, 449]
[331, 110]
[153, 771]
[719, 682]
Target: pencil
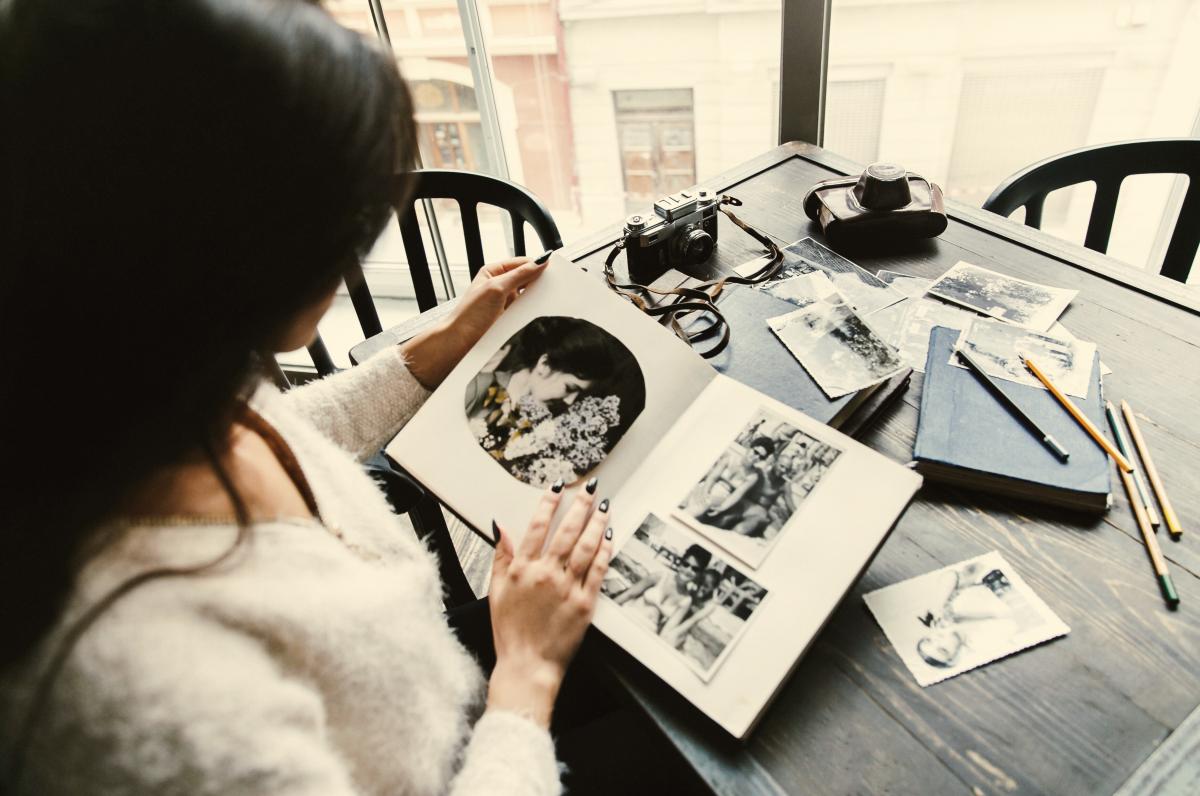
[996, 390]
[1151, 472]
[1165, 584]
[1125, 448]
[1082, 420]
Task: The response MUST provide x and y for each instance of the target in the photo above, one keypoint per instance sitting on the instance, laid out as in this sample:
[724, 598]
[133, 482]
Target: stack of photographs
[839, 350]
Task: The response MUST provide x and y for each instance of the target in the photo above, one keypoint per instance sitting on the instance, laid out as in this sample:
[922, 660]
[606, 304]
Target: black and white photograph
[861, 289]
[668, 582]
[803, 289]
[921, 315]
[911, 286]
[839, 350]
[754, 488]
[997, 347]
[554, 400]
[1016, 301]
[954, 619]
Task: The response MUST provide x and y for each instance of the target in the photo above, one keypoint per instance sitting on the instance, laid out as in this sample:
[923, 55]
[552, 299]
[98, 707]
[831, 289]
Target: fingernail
[495, 532]
[590, 486]
[603, 507]
[543, 257]
[557, 486]
[608, 533]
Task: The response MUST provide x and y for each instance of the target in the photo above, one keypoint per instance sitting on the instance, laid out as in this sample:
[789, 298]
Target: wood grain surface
[1078, 715]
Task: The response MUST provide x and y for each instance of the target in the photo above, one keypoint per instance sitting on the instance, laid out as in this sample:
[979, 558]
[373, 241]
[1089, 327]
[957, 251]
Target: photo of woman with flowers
[554, 400]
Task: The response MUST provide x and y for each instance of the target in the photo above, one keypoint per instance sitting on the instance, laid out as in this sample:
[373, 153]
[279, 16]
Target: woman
[662, 601]
[205, 593]
[700, 608]
[555, 399]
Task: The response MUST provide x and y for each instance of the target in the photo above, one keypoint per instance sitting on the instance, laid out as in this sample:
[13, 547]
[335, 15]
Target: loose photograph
[803, 289]
[911, 286]
[919, 319]
[666, 581]
[757, 484]
[997, 347]
[962, 616]
[839, 350]
[554, 400]
[862, 290]
[1016, 301]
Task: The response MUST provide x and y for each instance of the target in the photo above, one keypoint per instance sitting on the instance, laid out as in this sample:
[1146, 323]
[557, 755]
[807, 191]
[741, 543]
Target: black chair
[1107, 166]
[469, 190]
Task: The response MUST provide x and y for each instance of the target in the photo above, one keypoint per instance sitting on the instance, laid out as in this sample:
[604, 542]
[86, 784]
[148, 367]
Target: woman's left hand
[433, 354]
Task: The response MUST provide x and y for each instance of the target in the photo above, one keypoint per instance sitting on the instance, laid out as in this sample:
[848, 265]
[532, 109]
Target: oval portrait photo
[554, 400]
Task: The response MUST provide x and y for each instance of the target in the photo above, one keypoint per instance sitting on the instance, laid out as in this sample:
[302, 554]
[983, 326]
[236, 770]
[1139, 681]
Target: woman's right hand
[542, 598]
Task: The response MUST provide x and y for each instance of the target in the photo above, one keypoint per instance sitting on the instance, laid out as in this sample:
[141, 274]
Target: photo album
[738, 522]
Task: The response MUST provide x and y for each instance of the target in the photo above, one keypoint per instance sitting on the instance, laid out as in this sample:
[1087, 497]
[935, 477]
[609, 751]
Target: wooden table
[1076, 716]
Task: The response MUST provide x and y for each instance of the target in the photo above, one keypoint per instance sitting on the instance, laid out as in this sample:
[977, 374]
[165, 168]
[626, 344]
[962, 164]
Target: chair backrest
[1107, 166]
[469, 190]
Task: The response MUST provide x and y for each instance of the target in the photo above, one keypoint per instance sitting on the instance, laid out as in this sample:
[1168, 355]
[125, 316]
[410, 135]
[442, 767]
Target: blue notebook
[965, 436]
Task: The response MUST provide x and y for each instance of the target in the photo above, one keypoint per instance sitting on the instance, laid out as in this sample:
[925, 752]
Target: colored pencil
[1080, 418]
[1004, 398]
[1151, 472]
[1126, 448]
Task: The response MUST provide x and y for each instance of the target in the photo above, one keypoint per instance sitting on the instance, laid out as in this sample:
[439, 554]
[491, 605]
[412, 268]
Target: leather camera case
[885, 204]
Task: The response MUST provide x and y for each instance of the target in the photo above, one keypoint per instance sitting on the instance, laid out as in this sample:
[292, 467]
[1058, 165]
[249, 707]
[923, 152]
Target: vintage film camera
[682, 232]
[884, 205]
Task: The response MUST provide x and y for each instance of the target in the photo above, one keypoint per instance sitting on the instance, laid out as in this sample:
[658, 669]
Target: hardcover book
[965, 436]
[739, 522]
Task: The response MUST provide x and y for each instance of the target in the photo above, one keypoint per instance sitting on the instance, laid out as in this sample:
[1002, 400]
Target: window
[975, 91]
[594, 105]
[853, 116]
[655, 131]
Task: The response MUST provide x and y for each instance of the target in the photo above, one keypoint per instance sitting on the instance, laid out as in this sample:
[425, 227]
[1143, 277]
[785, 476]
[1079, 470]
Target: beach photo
[951, 620]
[839, 350]
[554, 400]
[668, 582]
[1007, 298]
[758, 483]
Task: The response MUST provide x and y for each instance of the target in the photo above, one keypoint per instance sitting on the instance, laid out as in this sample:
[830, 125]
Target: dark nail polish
[544, 257]
[495, 532]
[590, 486]
[603, 507]
[557, 486]
[608, 533]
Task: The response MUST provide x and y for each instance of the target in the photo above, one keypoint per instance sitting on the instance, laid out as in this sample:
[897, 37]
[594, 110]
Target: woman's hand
[433, 354]
[542, 601]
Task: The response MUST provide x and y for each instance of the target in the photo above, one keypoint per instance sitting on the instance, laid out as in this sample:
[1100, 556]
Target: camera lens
[696, 245]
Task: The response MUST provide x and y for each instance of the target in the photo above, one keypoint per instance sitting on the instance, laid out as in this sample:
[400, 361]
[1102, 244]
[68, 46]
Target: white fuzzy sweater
[316, 662]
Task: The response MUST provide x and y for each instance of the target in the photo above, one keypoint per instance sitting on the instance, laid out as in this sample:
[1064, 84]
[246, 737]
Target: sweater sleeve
[508, 754]
[362, 408]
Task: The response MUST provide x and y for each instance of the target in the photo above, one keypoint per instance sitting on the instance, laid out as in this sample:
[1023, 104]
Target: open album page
[736, 540]
[571, 382]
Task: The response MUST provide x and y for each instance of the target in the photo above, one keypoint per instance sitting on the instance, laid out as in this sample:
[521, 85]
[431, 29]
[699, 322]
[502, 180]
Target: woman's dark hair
[178, 180]
[766, 443]
[583, 349]
[700, 554]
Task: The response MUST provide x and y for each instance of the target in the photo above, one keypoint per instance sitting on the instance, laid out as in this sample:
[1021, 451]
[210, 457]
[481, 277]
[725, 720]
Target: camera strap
[699, 301]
